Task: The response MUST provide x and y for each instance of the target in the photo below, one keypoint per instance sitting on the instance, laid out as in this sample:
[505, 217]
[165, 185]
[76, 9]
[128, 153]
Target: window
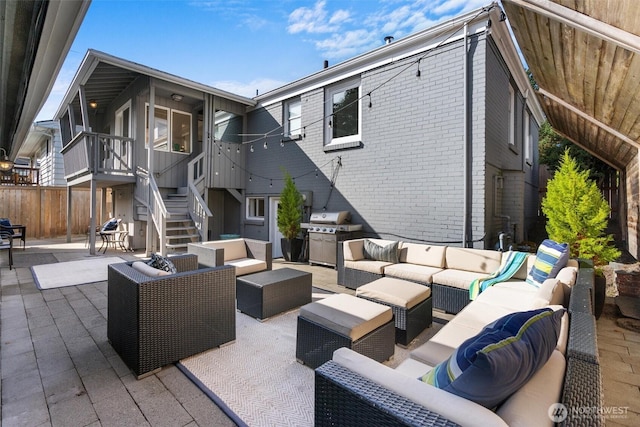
[181, 131]
[172, 130]
[512, 117]
[293, 118]
[342, 112]
[255, 208]
[528, 140]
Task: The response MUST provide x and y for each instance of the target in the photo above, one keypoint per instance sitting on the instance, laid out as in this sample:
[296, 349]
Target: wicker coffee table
[265, 294]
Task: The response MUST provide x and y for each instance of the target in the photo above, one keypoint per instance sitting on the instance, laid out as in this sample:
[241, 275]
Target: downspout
[150, 149]
[465, 138]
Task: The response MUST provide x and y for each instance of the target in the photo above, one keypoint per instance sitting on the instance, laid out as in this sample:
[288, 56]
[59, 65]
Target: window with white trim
[293, 118]
[512, 117]
[528, 140]
[172, 130]
[343, 114]
[255, 208]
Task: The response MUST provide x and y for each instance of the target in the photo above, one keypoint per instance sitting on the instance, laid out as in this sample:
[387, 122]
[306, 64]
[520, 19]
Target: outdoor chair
[154, 321]
[6, 243]
[16, 231]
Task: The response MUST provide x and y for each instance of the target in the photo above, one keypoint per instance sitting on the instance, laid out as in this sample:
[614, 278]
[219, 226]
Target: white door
[274, 234]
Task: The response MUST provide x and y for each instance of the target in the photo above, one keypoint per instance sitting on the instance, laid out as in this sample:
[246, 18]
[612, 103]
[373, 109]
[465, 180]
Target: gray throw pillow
[388, 253]
[161, 263]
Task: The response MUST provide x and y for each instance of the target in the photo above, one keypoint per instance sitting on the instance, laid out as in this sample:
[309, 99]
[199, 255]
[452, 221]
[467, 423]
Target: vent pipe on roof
[388, 39]
[326, 64]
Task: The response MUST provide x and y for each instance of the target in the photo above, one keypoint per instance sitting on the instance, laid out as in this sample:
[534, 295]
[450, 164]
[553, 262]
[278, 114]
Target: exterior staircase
[180, 227]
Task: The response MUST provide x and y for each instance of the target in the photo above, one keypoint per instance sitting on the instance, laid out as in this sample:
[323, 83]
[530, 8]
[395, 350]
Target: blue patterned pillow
[491, 366]
[5, 222]
[162, 263]
[550, 259]
[388, 253]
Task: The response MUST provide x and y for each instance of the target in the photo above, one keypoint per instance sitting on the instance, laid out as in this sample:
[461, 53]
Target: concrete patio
[58, 369]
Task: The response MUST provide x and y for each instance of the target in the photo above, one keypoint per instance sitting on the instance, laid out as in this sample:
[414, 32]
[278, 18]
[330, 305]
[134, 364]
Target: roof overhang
[585, 59]
[105, 76]
[36, 36]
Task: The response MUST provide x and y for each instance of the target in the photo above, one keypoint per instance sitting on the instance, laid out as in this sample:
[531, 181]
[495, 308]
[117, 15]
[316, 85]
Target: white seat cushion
[413, 272]
[370, 266]
[456, 278]
[347, 315]
[247, 265]
[395, 292]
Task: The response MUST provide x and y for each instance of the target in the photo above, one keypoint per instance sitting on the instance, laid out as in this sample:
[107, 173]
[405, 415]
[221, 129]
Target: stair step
[185, 228]
[182, 236]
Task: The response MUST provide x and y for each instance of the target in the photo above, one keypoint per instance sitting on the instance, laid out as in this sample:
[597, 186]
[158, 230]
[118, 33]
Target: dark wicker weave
[268, 293]
[153, 321]
[582, 394]
[448, 298]
[315, 343]
[583, 342]
[346, 398]
[409, 323]
[354, 277]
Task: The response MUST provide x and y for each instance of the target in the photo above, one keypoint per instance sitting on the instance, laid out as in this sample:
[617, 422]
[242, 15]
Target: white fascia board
[411, 45]
[505, 43]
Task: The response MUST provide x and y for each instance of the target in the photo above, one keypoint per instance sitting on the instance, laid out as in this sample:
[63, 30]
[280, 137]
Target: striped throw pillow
[550, 259]
[494, 364]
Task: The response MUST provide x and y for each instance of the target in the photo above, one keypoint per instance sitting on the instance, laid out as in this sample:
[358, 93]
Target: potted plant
[289, 218]
[577, 214]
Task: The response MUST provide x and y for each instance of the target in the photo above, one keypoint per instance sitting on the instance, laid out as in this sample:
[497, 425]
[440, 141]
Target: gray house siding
[407, 178]
[515, 181]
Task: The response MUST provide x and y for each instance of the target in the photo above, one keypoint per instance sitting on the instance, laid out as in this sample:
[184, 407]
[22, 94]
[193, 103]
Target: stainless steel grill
[326, 231]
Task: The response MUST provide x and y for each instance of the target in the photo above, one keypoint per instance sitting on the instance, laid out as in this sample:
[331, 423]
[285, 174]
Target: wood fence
[43, 210]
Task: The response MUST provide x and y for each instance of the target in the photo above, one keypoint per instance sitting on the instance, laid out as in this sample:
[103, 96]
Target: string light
[233, 166]
[282, 143]
[228, 149]
[418, 72]
[316, 173]
[265, 145]
[250, 177]
[370, 103]
[238, 150]
[252, 148]
[270, 183]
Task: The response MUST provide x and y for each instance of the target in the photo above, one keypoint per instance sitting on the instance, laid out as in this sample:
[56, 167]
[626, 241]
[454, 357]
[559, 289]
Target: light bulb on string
[228, 149]
[251, 149]
[238, 150]
[265, 145]
[316, 173]
[270, 183]
[250, 178]
[370, 103]
[418, 72]
[282, 143]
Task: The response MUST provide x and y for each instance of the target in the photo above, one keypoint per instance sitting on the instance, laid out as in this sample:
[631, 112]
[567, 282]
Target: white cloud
[262, 85]
[348, 44]
[316, 20]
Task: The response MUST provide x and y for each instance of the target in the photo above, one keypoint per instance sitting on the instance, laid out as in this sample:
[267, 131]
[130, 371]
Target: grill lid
[340, 217]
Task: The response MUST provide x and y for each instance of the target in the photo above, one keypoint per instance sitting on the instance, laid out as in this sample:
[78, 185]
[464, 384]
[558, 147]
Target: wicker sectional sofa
[354, 390]
[448, 270]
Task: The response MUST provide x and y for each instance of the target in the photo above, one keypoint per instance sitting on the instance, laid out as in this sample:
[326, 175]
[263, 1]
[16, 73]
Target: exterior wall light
[5, 163]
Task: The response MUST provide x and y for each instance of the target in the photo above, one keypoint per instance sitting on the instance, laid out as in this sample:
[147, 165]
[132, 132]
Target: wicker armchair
[154, 321]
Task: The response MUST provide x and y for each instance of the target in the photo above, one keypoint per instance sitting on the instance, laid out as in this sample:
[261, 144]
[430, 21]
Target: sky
[244, 46]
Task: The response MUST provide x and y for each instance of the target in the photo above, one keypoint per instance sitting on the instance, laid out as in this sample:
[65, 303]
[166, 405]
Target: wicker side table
[265, 294]
[343, 320]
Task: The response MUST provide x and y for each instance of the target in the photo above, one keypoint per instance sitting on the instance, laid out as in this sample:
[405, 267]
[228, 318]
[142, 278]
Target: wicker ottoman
[343, 320]
[265, 294]
[410, 302]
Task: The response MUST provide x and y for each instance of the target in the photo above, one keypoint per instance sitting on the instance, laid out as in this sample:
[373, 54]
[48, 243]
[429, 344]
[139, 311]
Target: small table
[265, 294]
[115, 237]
